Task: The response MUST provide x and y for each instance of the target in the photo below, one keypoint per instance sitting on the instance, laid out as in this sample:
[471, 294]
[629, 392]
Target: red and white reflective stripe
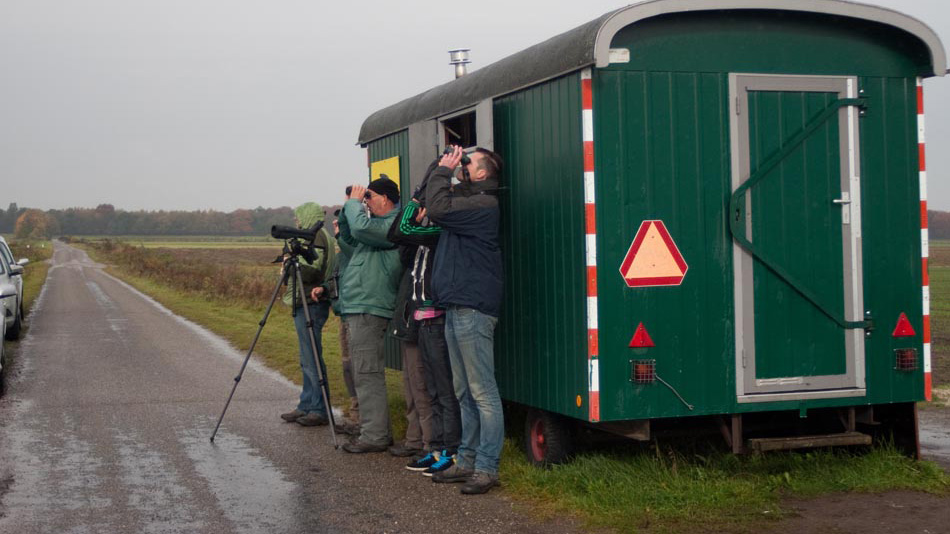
[924, 239]
[590, 230]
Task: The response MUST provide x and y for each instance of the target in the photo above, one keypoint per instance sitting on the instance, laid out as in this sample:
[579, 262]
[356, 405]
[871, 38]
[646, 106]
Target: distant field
[940, 311]
[191, 241]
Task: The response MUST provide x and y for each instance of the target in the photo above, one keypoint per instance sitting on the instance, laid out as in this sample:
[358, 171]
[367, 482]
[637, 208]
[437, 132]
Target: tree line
[105, 219]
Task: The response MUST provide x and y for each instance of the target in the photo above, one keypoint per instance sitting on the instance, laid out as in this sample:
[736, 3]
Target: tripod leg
[321, 378]
[280, 282]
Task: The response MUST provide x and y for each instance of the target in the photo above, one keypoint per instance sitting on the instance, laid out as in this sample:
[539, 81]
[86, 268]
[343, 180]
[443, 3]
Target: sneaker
[290, 417]
[312, 419]
[423, 462]
[401, 450]
[453, 474]
[445, 461]
[480, 483]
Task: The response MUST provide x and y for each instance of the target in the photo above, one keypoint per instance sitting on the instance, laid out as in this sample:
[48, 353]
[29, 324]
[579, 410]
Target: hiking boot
[453, 474]
[423, 462]
[347, 427]
[445, 461]
[312, 419]
[290, 417]
[480, 483]
[401, 450]
[358, 447]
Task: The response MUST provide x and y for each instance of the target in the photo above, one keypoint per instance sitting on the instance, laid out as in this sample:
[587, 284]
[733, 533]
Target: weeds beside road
[627, 487]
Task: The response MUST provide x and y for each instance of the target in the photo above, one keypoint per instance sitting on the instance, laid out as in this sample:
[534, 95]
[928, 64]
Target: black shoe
[479, 483]
[401, 450]
[359, 447]
[290, 417]
[312, 419]
[453, 474]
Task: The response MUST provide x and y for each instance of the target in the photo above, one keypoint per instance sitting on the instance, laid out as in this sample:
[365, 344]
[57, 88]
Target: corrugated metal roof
[589, 45]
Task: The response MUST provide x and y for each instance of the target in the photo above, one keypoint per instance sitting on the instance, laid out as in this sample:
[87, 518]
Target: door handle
[845, 199]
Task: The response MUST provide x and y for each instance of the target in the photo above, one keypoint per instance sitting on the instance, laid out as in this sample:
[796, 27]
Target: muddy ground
[890, 512]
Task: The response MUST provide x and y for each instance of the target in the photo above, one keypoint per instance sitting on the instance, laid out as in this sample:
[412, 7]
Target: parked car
[8, 292]
[11, 272]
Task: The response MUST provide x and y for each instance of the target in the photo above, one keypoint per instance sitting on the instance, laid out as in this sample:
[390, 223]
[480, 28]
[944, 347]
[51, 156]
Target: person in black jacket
[467, 282]
[413, 229]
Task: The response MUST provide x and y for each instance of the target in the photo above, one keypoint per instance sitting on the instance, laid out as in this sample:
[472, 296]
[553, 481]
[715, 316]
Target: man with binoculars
[368, 295]
[467, 282]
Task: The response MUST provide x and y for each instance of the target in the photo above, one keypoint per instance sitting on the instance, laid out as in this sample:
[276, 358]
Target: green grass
[664, 489]
[34, 274]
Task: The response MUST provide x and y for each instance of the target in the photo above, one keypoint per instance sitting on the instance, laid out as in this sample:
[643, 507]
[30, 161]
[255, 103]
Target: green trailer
[714, 217]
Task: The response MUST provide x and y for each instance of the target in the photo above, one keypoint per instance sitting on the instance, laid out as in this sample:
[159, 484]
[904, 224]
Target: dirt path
[880, 513]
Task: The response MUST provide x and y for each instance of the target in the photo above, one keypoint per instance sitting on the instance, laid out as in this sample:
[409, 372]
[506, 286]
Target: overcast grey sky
[225, 104]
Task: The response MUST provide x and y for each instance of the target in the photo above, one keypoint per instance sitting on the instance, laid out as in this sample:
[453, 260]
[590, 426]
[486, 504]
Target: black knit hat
[384, 186]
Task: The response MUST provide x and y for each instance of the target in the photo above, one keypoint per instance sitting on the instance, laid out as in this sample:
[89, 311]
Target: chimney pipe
[459, 58]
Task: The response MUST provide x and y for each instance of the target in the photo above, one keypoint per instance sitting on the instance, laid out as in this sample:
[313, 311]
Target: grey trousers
[366, 357]
[418, 400]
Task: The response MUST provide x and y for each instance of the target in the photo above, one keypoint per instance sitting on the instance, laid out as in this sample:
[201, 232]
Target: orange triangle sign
[903, 329]
[653, 258]
[641, 338]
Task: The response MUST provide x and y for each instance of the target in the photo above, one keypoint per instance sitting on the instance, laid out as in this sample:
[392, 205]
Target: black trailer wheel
[547, 438]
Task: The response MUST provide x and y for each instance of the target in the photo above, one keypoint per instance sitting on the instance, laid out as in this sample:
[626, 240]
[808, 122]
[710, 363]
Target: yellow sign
[387, 167]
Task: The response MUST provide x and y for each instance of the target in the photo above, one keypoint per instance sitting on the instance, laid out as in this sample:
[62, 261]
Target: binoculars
[465, 159]
[349, 189]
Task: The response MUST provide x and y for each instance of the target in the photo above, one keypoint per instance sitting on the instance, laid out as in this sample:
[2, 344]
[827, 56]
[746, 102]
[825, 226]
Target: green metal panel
[661, 147]
[390, 146]
[662, 152]
[795, 222]
[541, 357]
[396, 144]
[892, 265]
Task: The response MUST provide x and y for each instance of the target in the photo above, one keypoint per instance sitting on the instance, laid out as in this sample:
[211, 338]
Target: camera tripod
[291, 264]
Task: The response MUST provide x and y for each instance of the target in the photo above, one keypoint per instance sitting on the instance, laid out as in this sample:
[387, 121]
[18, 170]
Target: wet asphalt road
[105, 427]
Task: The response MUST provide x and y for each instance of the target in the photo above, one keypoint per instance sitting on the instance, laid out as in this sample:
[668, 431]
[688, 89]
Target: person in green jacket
[368, 287]
[311, 410]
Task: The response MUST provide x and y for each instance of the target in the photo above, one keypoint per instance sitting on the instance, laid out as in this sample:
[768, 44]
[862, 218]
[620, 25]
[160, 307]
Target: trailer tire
[547, 438]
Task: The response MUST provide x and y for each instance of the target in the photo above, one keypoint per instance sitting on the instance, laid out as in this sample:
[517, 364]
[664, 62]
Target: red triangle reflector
[903, 329]
[641, 338]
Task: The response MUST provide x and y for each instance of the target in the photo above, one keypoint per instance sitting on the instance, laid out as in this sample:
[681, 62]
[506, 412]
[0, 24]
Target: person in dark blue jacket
[467, 282]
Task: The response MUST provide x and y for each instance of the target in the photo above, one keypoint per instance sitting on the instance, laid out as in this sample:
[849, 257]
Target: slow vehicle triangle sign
[653, 258]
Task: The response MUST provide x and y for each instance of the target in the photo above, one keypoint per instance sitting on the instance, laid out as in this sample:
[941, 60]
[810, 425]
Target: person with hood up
[311, 410]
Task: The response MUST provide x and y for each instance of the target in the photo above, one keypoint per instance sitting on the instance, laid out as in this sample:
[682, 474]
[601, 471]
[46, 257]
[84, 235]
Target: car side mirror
[16, 269]
[22, 262]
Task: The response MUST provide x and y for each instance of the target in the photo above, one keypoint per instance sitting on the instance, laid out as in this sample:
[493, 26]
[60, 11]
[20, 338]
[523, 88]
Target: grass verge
[675, 488]
[34, 274]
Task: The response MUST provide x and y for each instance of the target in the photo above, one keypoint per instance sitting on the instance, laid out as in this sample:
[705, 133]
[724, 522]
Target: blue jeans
[470, 337]
[311, 398]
